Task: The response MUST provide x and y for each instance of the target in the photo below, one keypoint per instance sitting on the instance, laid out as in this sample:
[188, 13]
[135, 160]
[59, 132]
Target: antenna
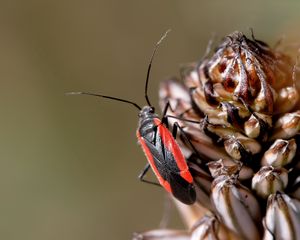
[104, 96]
[146, 84]
[150, 65]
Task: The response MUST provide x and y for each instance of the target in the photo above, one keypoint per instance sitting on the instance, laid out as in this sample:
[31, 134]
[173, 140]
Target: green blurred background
[69, 165]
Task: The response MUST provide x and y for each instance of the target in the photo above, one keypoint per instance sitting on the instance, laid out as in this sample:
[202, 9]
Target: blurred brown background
[69, 165]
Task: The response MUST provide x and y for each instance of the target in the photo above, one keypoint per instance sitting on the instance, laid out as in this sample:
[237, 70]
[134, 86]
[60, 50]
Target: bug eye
[152, 110]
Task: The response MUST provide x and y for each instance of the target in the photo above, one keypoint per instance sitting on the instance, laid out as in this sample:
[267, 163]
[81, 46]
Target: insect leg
[164, 120]
[186, 138]
[165, 117]
[166, 109]
[143, 173]
[182, 119]
[177, 126]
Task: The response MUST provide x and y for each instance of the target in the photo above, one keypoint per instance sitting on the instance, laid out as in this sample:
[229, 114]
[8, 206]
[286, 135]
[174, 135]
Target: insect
[158, 143]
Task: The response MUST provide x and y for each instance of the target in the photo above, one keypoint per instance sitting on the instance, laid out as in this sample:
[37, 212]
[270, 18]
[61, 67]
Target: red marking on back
[150, 159]
[167, 186]
[187, 176]
[172, 146]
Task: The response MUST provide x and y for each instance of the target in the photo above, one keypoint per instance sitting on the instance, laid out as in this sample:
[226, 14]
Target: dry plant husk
[243, 100]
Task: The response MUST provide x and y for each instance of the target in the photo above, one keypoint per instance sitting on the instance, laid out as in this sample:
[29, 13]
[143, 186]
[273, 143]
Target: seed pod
[280, 153]
[209, 151]
[252, 127]
[286, 126]
[218, 168]
[282, 219]
[209, 228]
[236, 206]
[269, 180]
[230, 167]
[287, 100]
[257, 126]
[233, 211]
[236, 144]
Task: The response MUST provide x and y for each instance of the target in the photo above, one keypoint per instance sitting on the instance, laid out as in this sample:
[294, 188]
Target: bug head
[147, 111]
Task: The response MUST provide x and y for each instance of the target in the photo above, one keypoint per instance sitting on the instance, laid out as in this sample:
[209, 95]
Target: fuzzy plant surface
[239, 108]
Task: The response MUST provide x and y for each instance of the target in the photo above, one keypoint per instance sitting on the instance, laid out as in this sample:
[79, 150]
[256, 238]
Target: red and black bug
[163, 153]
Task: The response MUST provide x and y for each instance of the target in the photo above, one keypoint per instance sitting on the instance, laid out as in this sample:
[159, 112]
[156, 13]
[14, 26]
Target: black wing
[166, 165]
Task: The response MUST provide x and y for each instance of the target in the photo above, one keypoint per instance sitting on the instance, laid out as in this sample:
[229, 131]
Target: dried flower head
[239, 109]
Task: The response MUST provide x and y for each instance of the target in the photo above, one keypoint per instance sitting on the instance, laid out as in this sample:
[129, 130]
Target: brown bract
[245, 69]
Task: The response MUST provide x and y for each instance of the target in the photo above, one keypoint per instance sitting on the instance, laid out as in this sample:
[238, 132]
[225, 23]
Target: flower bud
[269, 180]
[282, 219]
[280, 153]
